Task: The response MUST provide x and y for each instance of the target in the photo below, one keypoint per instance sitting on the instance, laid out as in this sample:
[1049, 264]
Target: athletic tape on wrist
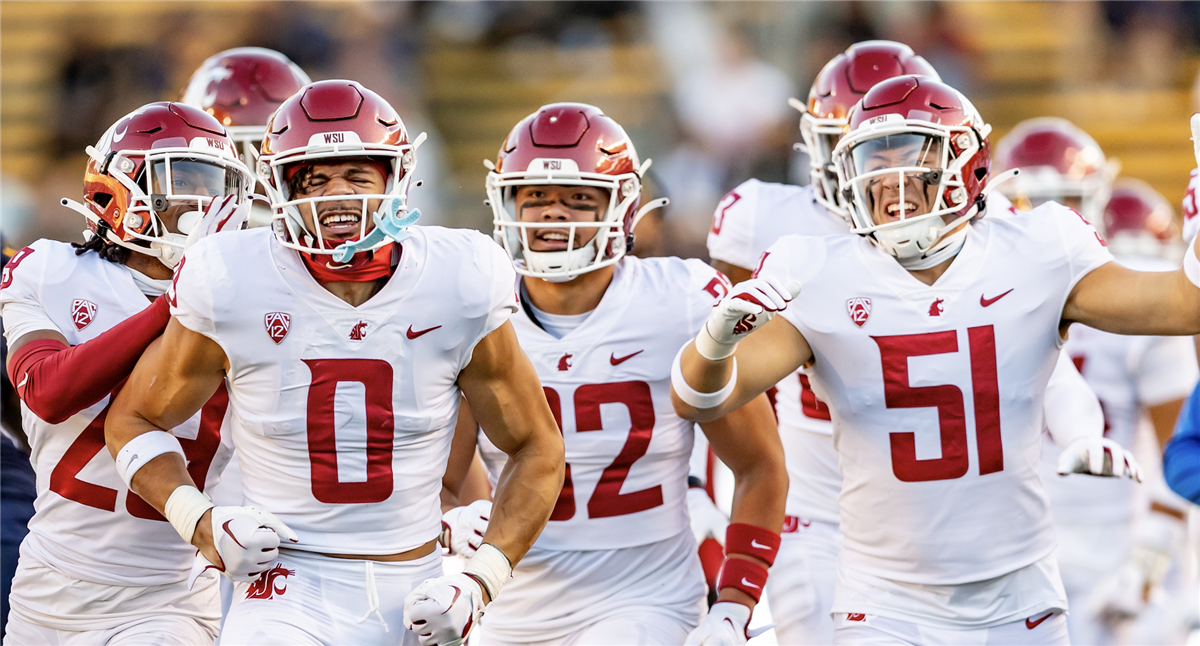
[1191, 266]
[184, 509]
[695, 398]
[142, 449]
[751, 540]
[490, 567]
[740, 574]
[712, 349]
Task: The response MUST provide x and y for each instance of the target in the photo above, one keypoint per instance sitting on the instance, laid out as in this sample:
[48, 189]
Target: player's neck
[577, 296]
[149, 266]
[931, 275]
[355, 292]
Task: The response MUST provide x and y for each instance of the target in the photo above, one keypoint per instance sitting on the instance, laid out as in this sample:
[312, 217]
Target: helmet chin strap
[392, 226]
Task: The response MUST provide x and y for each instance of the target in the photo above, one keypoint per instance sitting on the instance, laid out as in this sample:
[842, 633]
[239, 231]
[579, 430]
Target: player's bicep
[174, 377]
[1123, 301]
[462, 450]
[504, 391]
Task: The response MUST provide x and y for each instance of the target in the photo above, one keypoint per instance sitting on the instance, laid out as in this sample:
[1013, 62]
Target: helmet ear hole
[102, 199]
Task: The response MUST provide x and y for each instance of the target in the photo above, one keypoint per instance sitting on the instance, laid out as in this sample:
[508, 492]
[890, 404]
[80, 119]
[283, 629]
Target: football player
[345, 337]
[617, 562]
[100, 566]
[749, 220]
[934, 313]
[242, 88]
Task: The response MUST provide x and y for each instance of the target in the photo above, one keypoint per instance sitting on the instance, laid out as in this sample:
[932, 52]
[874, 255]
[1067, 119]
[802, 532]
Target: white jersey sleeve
[1191, 223]
[19, 290]
[191, 292]
[1166, 370]
[1072, 409]
[731, 238]
[492, 261]
[1084, 249]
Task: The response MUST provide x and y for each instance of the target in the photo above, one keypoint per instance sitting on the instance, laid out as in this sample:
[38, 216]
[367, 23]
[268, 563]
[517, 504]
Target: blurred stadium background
[702, 87]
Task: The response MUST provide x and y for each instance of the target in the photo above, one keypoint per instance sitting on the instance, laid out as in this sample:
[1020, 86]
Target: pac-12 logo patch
[278, 324]
[82, 313]
[270, 583]
[859, 309]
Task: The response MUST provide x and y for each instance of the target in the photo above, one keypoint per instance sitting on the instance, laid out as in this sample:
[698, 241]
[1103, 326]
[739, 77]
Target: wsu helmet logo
[270, 583]
[278, 324]
[82, 313]
[859, 309]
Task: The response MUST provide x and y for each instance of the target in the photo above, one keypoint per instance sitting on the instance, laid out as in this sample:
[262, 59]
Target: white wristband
[142, 449]
[693, 397]
[1191, 266]
[491, 567]
[712, 349]
[184, 509]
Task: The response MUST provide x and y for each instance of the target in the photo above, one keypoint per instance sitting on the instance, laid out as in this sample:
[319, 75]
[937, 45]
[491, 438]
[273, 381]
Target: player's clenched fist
[443, 611]
[463, 527]
[247, 540]
[1098, 456]
[749, 306]
[725, 625]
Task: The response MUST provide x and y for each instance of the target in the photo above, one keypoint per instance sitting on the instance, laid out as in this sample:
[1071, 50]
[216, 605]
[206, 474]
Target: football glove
[707, 521]
[748, 307]
[443, 611]
[247, 540]
[725, 625]
[463, 527]
[1098, 456]
[223, 214]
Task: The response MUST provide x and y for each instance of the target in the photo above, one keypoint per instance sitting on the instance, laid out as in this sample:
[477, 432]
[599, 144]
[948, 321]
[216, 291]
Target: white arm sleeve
[1072, 410]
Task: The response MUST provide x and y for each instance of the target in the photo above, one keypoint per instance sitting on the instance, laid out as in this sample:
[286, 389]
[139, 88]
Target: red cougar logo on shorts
[82, 313]
[278, 324]
[859, 309]
[935, 308]
[270, 583]
[358, 333]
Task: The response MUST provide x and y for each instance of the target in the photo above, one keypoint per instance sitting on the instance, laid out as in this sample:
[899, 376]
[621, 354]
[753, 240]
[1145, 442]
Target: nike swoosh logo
[756, 545]
[749, 584]
[1031, 624]
[988, 301]
[413, 335]
[235, 540]
[616, 362]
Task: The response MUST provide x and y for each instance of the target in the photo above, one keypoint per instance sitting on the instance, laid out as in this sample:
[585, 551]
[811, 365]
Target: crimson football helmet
[1059, 162]
[242, 88]
[571, 144]
[1141, 222]
[926, 137]
[840, 84]
[334, 122]
[163, 159]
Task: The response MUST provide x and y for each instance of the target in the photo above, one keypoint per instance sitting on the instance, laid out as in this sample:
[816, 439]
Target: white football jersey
[88, 525]
[608, 383]
[750, 219]
[342, 416]
[939, 389]
[1127, 373]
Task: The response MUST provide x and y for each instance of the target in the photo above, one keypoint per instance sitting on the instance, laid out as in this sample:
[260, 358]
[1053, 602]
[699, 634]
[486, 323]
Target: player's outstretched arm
[507, 400]
[763, 358]
[1123, 301]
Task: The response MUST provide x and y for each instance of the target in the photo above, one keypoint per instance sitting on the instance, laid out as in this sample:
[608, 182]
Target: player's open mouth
[551, 239]
[339, 223]
[893, 209]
